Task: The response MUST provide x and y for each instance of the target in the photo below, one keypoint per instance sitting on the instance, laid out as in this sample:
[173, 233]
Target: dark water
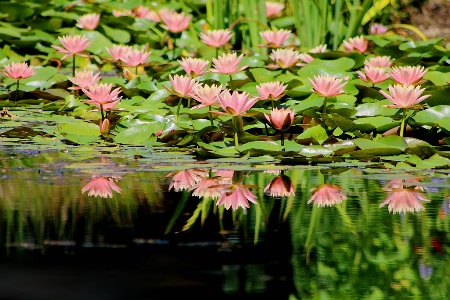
[164, 232]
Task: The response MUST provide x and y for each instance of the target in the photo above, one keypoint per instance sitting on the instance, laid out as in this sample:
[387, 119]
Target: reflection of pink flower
[101, 187]
[194, 66]
[101, 96]
[275, 38]
[186, 179]
[379, 61]
[373, 74]
[88, 21]
[228, 64]
[73, 44]
[84, 78]
[175, 22]
[359, 44]
[271, 90]
[327, 195]
[273, 9]
[327, 86]
[19, 70]
[377, 28]
[216, 38]
[404, 96]
[208, 188]
[404, 200]
[280, 119]
[280, 186]
[235, 196]
[408, 74]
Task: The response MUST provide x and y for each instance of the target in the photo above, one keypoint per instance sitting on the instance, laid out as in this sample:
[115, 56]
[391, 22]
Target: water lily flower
[273, 9]
[404, 96]
[141, 11]
[88, 21]
[275, 38]
[280, 186]
[271, 90]
[73, 44]
[236, 195]
[280, 119]
[186, 179]
[373, 75]
[305, 59]
[118, 51]
[18, 70]
[101, 187]
[359, 44]
[235, 103]
[132, 57]
[206, 95]
[408, 75]
[176, 22]
[102, 96]
[123, 12]
[327, 195]
[227, 64]
[194, 66]
[182, 85]
[285, 58]
[377, 28]
[83, 79]
[404, 200]
[327, 86]
[319, 49]
[378, 61]
[216, 38]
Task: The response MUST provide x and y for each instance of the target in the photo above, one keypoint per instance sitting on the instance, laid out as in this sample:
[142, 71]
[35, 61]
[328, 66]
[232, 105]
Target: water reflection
[404, 196]
[327, 195]
[101, 187]
[280, 186]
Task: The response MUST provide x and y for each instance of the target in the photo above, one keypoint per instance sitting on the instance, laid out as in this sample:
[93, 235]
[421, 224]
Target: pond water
[169, 225]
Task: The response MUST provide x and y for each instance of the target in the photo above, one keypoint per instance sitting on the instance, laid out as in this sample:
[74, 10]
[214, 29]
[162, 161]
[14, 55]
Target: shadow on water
[102, 228]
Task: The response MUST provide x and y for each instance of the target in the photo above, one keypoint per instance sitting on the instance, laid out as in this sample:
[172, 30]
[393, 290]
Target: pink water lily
[117, 52]
[206, 95]
[275, 38]
[132, 57]
[327, 86]
[408, 75]
[72, 44]
[235, 103]
[327, 195]
[175, 22]
[274, 9]
[378, 61]
[101, 187]
[359, 44]
[284, 58]
[182, 85]
[216, 38]
[404, 96]
[377, 28]
[319, 49]
[18, 70]
[228, 64]
[102, 96]
[280, 119]
[271, 90]
[373, 75]
[88, 21]
[194, 66]
[83, 79]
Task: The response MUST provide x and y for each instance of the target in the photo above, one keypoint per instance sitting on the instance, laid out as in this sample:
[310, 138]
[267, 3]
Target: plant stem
[324, 110]
[230, 81]
[282, 139]
[73, 66]
[178, 109]
[210, 116]
[174, 47]
[267, 129]
[17, 90]
[402, 125]
[273, 104]
[102, 112]
[236, 138]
